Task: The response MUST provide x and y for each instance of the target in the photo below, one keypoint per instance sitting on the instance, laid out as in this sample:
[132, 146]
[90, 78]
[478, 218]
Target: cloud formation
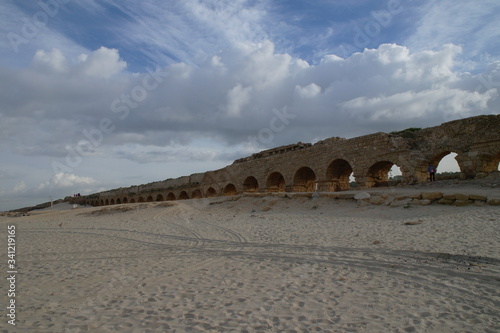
[231, 96]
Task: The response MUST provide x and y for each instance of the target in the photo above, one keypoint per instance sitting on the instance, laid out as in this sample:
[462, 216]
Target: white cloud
[102, 63]
[53, 60]
[450, 21]
[237, 98]
[309, 91]
[66, 180]
[231, 97]
[20, 187]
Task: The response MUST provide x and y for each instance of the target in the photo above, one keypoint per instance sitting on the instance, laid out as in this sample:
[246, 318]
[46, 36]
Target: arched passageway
[304, 180]
[132, 200]
[170, 197]
[118, 201]
[338, 175]
[379, 173]
[141, 199]
[112, 202]
[446, 165]
[183, 195]
[196, 194]
[125, 200]
[211, 192]
[149, 198]
[106, 202]
[275, 182]
[159, 197]
[250, 184]
[230, 189]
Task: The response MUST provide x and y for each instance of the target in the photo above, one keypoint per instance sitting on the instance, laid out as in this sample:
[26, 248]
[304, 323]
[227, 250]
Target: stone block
[445, 201]
[449, 196]
[425, 202]
[494, 202]
[400, 203]
[477, 197]
[460, 203]
[432, 195]
[362, 196]
[376, 200]
[461, 197]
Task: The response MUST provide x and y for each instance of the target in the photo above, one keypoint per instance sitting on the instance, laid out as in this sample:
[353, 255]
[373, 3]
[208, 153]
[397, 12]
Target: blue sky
[188, 86]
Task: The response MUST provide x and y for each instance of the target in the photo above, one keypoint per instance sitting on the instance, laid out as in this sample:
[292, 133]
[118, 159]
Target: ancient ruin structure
[328, 164]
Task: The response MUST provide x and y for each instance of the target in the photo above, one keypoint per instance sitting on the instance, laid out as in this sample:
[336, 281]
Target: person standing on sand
[432, 172]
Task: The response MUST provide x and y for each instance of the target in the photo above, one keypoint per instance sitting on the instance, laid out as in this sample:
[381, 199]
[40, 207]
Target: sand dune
[258, 265]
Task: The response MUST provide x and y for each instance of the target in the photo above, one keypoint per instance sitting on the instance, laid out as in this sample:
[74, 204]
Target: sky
[101, 94]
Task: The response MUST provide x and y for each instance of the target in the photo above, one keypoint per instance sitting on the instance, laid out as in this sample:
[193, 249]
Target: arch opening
[304, 180]
[183, 195]
[159, 197]
[118, 201]
[230, 189]
[125, 200]
[339, 175]
[141, 199]
[106, 203]
[383, 173]
[149, 198]
[102, 203]
[196, 194]
[275, 182]
[170, 197]
[250, 184]
[447, 166]
[132, 200]
[211, 192]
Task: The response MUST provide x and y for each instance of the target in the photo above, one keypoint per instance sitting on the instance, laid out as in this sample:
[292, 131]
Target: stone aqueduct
[328, 164]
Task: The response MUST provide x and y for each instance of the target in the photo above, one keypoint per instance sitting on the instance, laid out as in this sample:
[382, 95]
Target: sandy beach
[256, 264]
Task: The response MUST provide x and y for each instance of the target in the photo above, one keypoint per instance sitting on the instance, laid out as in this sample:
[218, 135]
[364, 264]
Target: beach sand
[251, 264]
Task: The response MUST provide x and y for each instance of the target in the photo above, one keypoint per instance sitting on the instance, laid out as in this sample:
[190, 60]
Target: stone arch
[447, 162]
[149, 198]
[171, 197]
[183, 195]
[338, 174]
[102, 202]
[230, 189]
[141, 199]
[125, 200]
[304, 180]
[106, 202]
[112, 201]
[118, 201]
[132, 200]
[250, 184]
[275, 182]
[378, 174]
[159, 197]
[490, 162]
[211, 192]
[196, 194]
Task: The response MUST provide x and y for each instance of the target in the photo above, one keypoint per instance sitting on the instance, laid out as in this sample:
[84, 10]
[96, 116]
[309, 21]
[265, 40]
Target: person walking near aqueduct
[432, 172]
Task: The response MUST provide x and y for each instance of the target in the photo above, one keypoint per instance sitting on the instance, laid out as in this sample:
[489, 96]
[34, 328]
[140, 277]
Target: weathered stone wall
[326, 165]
